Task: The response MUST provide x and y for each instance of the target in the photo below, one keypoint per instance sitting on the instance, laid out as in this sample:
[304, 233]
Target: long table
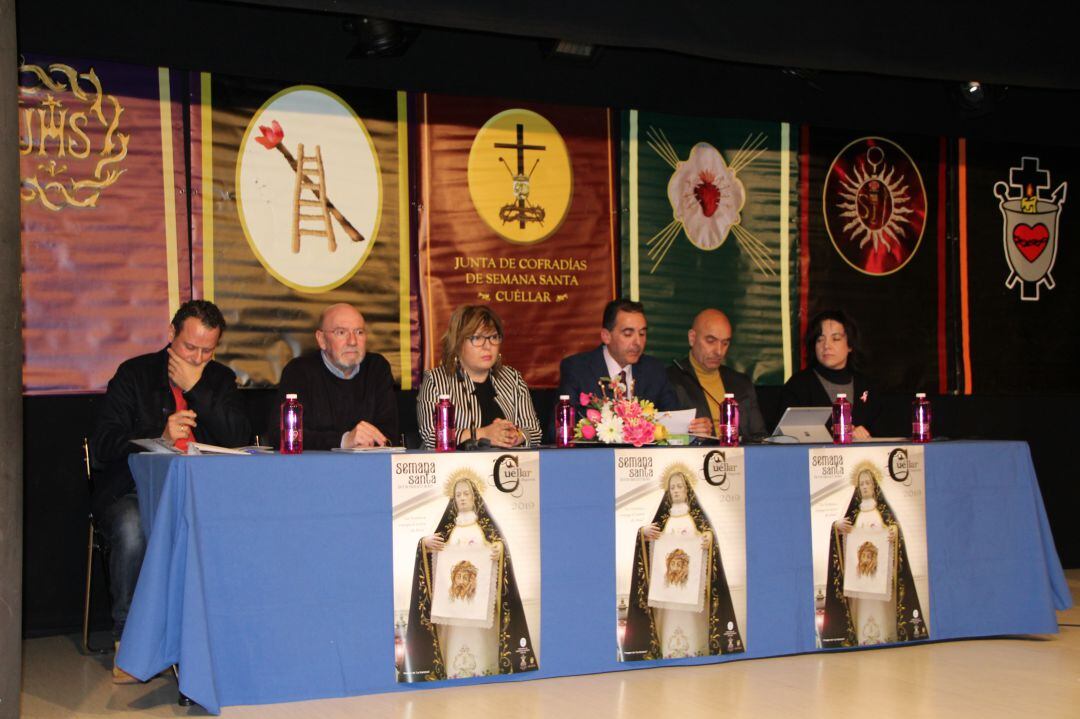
[267, 578]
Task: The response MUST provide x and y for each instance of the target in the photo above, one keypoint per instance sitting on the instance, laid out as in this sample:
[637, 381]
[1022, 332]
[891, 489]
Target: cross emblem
[1029, 173]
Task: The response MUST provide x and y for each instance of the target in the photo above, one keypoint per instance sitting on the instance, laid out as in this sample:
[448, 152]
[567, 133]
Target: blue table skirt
[268, 578]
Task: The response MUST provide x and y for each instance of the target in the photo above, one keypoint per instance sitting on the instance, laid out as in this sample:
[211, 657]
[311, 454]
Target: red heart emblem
[1031, 241]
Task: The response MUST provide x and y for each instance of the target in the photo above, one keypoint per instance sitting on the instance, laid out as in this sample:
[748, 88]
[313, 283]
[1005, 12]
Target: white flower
[607, 413]
[706, 196]
[609, 430]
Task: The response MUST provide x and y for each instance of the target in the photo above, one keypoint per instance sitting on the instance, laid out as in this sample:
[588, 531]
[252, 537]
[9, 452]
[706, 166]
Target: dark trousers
[122, 528]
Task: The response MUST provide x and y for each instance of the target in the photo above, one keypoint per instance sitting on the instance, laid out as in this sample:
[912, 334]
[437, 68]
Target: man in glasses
[347, 393]
[179, 394]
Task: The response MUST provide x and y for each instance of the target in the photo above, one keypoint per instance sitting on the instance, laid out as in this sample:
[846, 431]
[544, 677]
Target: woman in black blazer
[832, 341]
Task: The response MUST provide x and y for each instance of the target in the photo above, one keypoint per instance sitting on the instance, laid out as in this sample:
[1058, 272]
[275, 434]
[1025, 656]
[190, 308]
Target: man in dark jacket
[622, 352]
[701, 379]
[347, 392]
[178, 394]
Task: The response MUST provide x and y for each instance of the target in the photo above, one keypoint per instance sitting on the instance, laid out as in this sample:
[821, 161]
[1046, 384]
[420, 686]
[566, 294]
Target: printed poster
[868, 524]
[680, 552]
[466, 565]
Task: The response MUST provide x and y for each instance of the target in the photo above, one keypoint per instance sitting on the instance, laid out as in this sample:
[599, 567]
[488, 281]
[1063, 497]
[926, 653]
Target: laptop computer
[802, 425]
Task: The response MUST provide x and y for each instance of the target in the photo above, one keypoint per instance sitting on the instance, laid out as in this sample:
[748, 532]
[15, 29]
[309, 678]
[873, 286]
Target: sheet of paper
[677, 421]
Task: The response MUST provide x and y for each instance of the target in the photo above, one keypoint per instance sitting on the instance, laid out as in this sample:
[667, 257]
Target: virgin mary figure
[854, 621]
[663, 633]
[436, 650]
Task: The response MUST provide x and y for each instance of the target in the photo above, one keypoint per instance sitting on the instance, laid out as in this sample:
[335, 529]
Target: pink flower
[271, 136]
[628, 409]
[588, 431]
[593, 415]
[585, 399]
[638, 433]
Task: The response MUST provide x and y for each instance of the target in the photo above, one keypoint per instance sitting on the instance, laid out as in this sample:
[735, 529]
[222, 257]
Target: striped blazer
[511, 394]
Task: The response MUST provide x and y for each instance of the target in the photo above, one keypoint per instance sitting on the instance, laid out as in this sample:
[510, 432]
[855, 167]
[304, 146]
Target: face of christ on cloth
[463, 580]
[678, 568]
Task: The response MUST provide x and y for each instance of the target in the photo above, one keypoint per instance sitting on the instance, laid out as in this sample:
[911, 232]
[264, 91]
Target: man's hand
[702, 425]
[365, 434]
[183, 374]
[179, 425]
[860, 432]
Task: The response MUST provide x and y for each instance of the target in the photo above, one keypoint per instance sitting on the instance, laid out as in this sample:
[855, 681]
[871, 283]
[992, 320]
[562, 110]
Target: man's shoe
[119, 676]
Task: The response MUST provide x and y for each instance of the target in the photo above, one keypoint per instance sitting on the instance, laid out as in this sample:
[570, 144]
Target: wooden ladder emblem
[311, 183]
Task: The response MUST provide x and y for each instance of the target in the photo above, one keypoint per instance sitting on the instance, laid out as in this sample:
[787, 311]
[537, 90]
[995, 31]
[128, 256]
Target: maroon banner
[104, 218]
[518, 215]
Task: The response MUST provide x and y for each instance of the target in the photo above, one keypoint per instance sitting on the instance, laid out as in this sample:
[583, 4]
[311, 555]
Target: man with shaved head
[347, 392]
[701, 379]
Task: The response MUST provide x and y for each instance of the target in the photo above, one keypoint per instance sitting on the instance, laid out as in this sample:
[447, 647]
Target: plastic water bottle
[920, 418]
[841, 420]
[564, 422]
[445, 433]
[729, 422]
[292, 426]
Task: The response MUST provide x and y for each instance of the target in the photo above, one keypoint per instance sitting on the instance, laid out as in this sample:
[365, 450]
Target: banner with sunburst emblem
[1017, 267]
[300, 201]
[708, 213]
[518, 215]
[872, 243]
[104, 221]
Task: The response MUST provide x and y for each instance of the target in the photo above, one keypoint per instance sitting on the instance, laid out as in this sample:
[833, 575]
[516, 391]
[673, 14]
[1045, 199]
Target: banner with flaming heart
[873, 243]
[1017, 267]
[708, 220]
[104, 227]
[300, 201]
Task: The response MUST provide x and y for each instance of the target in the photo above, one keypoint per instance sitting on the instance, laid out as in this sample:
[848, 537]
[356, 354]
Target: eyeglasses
[480, 340]
[340, 333]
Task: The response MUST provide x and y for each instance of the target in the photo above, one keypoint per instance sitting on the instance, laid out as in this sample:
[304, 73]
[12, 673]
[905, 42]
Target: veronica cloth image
[870, 569]
[462, 608]
[680, 553]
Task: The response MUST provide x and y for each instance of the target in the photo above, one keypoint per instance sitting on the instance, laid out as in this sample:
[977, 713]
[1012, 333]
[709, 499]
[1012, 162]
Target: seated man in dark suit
[701, 379]
[621, 352]
[179, 394]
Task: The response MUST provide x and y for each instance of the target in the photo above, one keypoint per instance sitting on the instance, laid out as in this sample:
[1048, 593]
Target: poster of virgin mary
[874, 588]
[678, 601]
[464, 615]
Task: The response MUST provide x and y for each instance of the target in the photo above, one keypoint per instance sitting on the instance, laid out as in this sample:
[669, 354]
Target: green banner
[708, 220]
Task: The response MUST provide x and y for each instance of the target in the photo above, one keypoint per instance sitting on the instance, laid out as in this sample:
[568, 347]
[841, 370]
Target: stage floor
[1006, 677]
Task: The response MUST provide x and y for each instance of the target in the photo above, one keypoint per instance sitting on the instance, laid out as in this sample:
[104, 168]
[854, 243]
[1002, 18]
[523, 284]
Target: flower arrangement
[618, 418]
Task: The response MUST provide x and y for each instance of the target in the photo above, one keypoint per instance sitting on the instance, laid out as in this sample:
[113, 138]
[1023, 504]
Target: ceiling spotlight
[974, 97]
[376, 37]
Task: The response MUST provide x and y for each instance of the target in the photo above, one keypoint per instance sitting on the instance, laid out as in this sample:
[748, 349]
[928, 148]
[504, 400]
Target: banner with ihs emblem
[518, 215]
[1017, 268]
[873, 244]
[104, 220]
[300, 201]
[708, 220]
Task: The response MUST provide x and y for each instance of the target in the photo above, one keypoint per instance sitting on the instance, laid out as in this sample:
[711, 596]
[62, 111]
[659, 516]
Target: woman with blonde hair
[491, 401]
